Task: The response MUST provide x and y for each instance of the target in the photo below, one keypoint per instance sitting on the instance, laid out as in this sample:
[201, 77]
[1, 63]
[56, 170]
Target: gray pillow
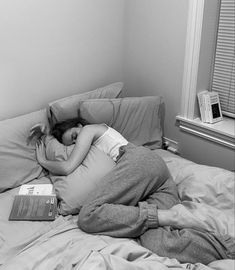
[67, 107]
[138, 119]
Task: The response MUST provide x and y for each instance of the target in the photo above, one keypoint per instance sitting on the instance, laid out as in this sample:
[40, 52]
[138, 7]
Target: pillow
[71, 190]
[67, 107]
[17, 159]
[138, 119]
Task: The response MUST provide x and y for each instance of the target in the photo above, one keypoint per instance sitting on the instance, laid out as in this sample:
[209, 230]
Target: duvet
[207, 195]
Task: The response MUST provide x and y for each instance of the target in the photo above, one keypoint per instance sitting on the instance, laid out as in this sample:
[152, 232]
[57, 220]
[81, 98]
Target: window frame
[222, 132]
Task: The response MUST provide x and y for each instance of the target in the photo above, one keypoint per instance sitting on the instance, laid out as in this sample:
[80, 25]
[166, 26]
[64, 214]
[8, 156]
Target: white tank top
[110, 142]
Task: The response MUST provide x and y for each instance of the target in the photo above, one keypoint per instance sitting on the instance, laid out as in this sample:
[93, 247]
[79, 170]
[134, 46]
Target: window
[189, 121]
[223, 80]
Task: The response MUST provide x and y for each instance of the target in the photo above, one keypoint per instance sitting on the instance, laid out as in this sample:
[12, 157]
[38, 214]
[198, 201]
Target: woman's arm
[81, 148]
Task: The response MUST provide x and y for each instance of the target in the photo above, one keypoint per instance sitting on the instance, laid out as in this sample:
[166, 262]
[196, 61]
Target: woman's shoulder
[97, 126]
[96, 129]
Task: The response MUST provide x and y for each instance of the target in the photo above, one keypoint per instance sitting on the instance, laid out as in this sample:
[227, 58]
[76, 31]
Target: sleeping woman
[135, 199]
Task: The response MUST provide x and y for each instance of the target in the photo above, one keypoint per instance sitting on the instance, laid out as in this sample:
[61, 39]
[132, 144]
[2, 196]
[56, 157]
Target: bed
[207, 193]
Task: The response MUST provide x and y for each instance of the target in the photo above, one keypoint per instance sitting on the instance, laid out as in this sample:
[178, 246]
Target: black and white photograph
[117, 134]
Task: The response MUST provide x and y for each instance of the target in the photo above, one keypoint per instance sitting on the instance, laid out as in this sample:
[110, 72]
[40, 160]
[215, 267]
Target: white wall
[154, 55]
[50, 49]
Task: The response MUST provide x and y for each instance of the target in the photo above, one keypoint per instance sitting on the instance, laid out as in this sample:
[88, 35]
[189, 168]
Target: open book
[34, 202]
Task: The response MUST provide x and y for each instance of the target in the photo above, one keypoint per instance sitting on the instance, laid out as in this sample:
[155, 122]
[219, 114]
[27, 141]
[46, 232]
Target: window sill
[222, 132]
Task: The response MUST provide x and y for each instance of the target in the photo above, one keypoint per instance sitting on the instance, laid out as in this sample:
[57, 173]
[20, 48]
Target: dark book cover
[34, 207]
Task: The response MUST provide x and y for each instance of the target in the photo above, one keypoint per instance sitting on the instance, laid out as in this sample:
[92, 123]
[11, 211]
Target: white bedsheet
[66, 247]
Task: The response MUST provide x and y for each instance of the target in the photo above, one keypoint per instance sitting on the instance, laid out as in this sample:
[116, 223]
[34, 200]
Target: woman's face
[70, 135]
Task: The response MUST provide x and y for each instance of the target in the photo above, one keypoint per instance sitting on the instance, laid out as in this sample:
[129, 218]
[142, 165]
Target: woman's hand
[40, 152]
[37, 132]
[55, 167]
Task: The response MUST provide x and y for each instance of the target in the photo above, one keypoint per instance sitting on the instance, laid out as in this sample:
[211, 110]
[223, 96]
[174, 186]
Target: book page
[37, 189]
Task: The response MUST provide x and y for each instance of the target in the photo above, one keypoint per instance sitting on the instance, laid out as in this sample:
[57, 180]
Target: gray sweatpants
[125, 205]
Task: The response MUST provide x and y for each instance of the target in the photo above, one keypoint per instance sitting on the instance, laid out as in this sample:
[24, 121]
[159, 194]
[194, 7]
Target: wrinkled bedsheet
[207, 195]
[64, 246]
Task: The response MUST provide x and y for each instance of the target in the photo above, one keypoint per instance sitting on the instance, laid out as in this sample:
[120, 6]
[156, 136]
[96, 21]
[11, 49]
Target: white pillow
[71, 190]
[18, 164]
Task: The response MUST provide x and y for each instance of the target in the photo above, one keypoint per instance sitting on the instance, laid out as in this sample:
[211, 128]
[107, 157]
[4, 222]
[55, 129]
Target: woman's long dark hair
[61, 127]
